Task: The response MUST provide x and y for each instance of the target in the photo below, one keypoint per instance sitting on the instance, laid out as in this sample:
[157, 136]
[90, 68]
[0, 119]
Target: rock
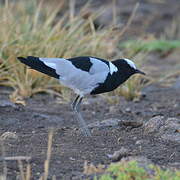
[6, 103]
[113, 109]
[171, 130]
[118, 155]
[106, 123]
[112, 122]
[9, 137]
[172, 125]
[128, 110]
[40, 116]
[132, 124]
[176, 85]
[139, 142]
[8, 121]
[154, 124]
[167, 129]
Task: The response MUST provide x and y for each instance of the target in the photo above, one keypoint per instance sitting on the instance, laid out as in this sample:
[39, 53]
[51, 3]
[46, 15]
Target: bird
[85, 75]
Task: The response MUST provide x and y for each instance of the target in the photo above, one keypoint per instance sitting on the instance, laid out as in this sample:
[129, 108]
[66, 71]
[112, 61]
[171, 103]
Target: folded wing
[82, 74]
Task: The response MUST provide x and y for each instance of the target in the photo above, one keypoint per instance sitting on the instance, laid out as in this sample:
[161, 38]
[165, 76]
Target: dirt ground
[70, 148]
[31, 123]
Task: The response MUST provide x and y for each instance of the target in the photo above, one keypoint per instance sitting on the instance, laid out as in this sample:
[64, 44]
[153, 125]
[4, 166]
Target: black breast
[111, 83]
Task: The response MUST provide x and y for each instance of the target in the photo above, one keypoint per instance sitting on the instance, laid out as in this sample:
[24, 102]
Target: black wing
[37, 64]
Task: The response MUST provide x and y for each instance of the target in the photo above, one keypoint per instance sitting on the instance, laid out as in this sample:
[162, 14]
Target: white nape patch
[112, 68]
[130, 63]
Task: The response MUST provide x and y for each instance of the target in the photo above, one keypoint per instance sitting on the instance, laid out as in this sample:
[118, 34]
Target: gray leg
[75, 102]
[82, 123]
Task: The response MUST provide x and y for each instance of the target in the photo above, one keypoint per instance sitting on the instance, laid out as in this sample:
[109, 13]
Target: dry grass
[25, 169]
[31, 28]
[122, 170]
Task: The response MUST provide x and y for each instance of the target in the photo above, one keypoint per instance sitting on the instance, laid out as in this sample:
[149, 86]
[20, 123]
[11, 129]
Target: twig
[72, 9]
[36, 17]
[6, 4]
[21, 169]
[28, 172]
[15, 158]
[54, 177]
[48, 157]
[129, 20]
[4, 162]
[114, 12]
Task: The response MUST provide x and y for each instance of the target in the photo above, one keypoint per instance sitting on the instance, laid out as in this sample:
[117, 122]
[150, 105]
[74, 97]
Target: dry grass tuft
[8, 135]
[32, 28]
[25, 172]
[92, 169]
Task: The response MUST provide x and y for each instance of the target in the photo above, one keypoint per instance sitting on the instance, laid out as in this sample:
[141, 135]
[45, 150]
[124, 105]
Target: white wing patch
[50, 62]
[112, 68]
[82, 82]
[51, 65]
[130, 63]
[98, 66]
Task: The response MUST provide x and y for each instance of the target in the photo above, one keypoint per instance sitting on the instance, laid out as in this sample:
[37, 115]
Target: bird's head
[127, 67]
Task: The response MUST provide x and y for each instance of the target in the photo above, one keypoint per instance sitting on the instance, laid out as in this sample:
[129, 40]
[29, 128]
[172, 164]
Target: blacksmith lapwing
[84, 75]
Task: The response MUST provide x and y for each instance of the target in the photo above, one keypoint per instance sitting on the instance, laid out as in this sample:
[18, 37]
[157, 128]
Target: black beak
[140, 72]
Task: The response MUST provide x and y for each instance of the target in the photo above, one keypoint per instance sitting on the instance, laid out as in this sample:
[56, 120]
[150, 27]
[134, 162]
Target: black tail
[35, 63]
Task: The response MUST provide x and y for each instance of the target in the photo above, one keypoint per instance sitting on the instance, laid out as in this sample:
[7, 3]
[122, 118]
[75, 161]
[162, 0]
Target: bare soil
[70, 148]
